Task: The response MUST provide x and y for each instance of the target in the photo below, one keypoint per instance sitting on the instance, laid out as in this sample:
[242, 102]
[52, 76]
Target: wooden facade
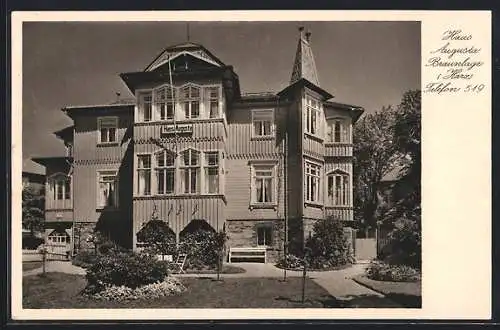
[236, 161]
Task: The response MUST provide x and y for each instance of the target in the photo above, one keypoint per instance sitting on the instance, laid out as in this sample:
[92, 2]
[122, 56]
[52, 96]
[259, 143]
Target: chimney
[308, 36]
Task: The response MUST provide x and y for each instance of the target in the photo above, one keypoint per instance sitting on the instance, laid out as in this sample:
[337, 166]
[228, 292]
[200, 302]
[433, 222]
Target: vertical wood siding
[183, 210]
[202, 130]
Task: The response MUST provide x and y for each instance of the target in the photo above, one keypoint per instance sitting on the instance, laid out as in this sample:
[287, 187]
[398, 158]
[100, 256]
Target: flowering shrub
[405, 243]
[128, 269]
[85, 259]
[290, 262]
[395, 273]
[168, 287]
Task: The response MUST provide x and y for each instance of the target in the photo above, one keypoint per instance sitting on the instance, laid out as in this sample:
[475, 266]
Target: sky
[368, 64]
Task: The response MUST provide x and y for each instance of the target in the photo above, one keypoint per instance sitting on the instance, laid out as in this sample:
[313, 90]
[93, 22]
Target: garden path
[57, 267]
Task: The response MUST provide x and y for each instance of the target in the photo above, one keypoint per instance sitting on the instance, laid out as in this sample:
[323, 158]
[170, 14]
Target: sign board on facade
[178, 128]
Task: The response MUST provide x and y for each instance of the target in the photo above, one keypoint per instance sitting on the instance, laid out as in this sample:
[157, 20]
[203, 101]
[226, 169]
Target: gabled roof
[304, 65]
[303, 82]
[187, 48]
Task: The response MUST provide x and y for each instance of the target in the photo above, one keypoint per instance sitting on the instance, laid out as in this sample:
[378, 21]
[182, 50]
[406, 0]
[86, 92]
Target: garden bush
[128, 269]
[394, 273]
[328, 247]
[404, 247]
[85, 258]
[203, 248]
[168, 287]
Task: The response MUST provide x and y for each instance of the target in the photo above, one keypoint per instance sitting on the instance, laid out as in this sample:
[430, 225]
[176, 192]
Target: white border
[456, 205]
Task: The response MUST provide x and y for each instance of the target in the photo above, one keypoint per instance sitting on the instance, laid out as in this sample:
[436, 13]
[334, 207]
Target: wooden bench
[247, 253]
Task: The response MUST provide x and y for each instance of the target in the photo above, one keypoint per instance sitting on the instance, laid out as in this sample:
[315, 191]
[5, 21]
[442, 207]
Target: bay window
[165, 173]
[144, 175]
[190, 166]
[263, 184]
[338, 189]
[108, 189]
[338, 131]
[212, 172]
[312, 182]
[60, 187]
[312, 115]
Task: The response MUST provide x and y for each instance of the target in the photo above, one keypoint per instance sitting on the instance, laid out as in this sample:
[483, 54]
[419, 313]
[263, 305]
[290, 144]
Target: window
[212, 172]
[263, 123]
[58, 237]
[338, 131]
[190, 163]
[263, 184]
[312, 182]
[312, 115]
[144, 174]
[60, 187]
[165, 172]
[190, 97]
[264, 235]
[145, 106]
[213, 102]
[108, 189]
[107, 129]
[164, 103]
[338, 189]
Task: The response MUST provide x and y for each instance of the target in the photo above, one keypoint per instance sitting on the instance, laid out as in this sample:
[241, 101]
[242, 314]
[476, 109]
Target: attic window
[107, 129]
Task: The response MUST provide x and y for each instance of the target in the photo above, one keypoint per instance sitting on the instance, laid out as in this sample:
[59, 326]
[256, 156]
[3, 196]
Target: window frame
[144, 169]
[116, 198]
[264, 227]
[197, 168]
[164, 169]
[189, 100]
[309, 110]
[345, 130]
[62, 181]
[345, 193]
[99, 130]
[259, 112]
[272, 166]
[308, 166]
[207, 167]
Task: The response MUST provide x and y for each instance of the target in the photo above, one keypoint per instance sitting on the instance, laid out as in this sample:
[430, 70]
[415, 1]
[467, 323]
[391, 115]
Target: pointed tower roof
[304, 65]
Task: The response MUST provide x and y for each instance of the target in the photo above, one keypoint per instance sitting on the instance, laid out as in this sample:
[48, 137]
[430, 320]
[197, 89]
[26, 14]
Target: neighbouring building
[192, 147]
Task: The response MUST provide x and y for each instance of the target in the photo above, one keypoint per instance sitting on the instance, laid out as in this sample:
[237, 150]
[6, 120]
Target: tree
[375, 154]
[406, 237]
[33, 203]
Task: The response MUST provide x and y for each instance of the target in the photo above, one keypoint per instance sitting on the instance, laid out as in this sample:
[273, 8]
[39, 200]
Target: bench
[247, 253]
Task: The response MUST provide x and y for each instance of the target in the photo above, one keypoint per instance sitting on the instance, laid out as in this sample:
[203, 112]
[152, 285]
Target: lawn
[58, 290]
[408, 294]
[29, 265]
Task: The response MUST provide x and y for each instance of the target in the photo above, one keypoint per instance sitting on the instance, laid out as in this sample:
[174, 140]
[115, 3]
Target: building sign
[176, 129]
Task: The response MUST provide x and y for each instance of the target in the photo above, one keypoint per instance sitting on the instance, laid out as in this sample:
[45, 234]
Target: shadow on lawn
[373, 301]
[326, 300]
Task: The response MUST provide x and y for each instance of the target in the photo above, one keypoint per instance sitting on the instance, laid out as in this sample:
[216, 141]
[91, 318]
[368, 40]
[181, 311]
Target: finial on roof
[301, 31]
